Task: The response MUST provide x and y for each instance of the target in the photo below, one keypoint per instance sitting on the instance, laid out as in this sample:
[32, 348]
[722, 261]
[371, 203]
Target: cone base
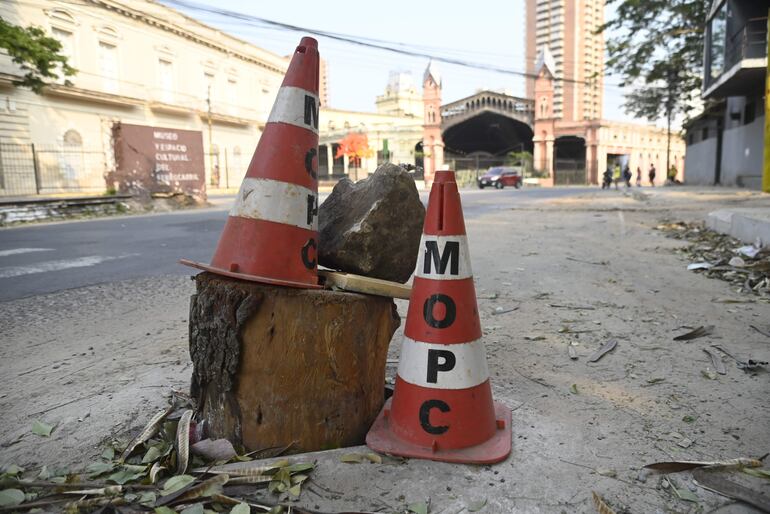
[251, 278]
[382, 439]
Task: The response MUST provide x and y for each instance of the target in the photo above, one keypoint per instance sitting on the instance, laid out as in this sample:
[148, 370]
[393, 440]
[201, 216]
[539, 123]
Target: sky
[490, 32]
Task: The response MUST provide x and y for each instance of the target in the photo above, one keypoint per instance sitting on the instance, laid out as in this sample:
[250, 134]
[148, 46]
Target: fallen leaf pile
[720, 256]
[150, 473]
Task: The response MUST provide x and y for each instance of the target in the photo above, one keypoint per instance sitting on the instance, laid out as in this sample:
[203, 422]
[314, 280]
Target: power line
[388, 46]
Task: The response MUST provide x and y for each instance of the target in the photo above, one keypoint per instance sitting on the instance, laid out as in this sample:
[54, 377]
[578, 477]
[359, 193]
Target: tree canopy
[657, 49]
[355, 145]
[38, 54]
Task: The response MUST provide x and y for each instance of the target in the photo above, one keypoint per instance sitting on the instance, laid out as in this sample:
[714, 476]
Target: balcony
[744, 62]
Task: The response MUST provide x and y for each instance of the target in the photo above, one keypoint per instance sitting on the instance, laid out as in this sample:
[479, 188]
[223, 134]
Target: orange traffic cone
[271, 235]
[442, 407]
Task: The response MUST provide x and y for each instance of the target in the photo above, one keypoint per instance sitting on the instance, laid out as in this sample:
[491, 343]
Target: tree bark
[276, 365]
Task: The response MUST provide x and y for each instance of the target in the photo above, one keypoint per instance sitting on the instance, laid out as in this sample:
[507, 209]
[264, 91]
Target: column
[549, 157]
[329, 160]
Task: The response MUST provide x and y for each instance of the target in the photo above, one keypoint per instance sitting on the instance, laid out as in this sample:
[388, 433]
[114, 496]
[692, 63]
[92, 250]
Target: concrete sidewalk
[578, 270]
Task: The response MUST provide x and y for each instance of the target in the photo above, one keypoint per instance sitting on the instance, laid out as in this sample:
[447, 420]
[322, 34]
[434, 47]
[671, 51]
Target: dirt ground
[97, 362]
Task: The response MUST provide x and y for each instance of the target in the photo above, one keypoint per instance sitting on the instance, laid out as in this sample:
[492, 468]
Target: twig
[32, 370]
[79, 370]
[504, 311]
[34, 505]
[544, 384]
[600, 263]
[79, 485]
[767, 334]
[574, 307]
[49, 409]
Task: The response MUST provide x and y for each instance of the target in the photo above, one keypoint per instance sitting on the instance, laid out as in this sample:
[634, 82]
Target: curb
[748, 225]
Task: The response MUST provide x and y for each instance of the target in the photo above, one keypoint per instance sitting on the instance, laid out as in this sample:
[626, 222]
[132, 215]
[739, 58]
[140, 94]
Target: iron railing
[750, 42]
[28, 169]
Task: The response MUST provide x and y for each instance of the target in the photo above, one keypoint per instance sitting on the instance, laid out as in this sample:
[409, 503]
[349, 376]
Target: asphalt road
[44, 258]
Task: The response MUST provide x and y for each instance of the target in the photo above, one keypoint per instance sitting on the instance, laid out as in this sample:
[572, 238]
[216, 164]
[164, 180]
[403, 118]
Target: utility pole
[669, 112]
[766, 171]
[211, 145]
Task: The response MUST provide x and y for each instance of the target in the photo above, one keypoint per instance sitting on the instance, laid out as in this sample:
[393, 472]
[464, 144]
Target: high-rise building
[566, 29]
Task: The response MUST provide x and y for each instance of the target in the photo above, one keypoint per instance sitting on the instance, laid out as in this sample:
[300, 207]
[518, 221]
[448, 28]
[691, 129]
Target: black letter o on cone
[449, 317]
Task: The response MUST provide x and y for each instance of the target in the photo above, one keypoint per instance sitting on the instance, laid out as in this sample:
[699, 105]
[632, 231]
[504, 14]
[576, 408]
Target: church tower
[432, 144]
[543, 137]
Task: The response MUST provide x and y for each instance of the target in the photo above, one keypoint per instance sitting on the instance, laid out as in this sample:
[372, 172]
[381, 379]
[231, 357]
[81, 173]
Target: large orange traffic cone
[271, 235]
[442, 407]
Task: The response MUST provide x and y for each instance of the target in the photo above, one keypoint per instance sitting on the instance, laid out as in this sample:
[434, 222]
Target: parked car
[499, 177]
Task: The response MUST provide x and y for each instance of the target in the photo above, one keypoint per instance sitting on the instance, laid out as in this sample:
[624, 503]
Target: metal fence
[569, 172]
[468, 169]
[28, 169]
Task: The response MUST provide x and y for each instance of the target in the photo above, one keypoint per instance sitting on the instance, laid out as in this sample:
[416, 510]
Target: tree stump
[276, 365]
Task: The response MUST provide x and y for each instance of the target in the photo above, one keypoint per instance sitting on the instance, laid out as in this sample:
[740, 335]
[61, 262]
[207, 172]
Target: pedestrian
[638, 176]
[627, 175]
[651, 175]
[672, 175]
[616, 175]
[607, 178]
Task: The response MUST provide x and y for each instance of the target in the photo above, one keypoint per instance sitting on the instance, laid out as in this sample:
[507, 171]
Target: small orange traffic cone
[442, 407]
[271, 235]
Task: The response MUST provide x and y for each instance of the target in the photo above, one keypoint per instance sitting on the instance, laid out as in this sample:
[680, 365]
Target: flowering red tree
[356, 146]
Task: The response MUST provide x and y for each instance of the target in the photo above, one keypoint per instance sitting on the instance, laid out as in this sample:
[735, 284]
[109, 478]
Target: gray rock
[372, 227]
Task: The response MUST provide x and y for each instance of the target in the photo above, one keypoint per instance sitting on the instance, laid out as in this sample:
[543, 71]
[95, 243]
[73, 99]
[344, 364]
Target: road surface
[44, 258]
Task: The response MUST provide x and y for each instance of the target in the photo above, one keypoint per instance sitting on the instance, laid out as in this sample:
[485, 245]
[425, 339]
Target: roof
[432, 72]
[545, 58]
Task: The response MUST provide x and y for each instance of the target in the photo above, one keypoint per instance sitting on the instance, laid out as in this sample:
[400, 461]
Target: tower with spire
[432, 143]
[543, 137]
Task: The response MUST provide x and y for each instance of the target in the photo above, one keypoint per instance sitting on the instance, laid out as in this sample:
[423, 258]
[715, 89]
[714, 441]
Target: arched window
[62, 17]
[72, 138]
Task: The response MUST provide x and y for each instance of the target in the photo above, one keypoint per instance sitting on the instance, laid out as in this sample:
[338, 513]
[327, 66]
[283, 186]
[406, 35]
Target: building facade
[138, 63]
[567, 29]
[725, 142]
[143, 65]
[572, 143]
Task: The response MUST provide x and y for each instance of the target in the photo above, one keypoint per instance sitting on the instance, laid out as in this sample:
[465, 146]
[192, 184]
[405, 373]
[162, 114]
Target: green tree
[656, 48]
[37, 53]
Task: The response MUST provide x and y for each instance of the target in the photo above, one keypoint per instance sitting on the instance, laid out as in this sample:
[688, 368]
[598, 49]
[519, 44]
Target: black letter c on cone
[425, 409]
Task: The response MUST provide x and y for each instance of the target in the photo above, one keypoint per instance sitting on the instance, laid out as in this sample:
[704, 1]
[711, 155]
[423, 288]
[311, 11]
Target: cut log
[276, 365]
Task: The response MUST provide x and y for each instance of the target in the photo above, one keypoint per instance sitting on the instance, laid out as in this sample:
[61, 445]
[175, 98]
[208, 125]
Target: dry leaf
[676, 466]
[269, 453]
[720, 485]
[183, 441]
[42, 429]
[694, 334]
[155, 471]
[716, 360]
[352, 458]
[604, 349]
[601, 507]
[246, 468]
[149, 430]
[204, 489]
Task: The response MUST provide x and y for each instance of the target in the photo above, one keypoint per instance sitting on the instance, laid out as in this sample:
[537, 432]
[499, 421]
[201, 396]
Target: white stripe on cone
[296, 107]
[443, 258]
[469, 368]
[280, 202]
